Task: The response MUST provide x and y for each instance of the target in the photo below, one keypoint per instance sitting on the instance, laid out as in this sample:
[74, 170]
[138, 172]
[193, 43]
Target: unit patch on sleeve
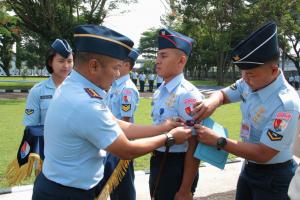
[29, 111]
[92, 93]
[281, 121]
[126, 107]
[274, 136]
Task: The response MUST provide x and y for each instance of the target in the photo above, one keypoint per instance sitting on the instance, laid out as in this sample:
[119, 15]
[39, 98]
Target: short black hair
[49, 57]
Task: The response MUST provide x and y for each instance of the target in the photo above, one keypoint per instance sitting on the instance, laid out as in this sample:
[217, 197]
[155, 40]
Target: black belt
[269, 166]
[170, 154]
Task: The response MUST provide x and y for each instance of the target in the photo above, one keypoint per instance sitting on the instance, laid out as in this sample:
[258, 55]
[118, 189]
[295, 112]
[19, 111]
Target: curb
[137, 173]
[14, 90]
[16, 189]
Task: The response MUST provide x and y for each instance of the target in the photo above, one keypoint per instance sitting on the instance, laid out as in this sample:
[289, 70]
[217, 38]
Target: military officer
[142, 79]
[270, 110]
[123, 100]
[174, 98]
[134, 77]
[79, 126]
[59, 64]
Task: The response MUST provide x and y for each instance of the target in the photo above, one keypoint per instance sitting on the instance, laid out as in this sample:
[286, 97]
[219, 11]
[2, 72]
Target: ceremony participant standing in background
[134, 77]
[80, 129]
[142, 79]
[151, 78]
[291, 81]
[159, 81]
[175, 176]
[270, 111]
[297, 81]
[59, 63]
[123, 100]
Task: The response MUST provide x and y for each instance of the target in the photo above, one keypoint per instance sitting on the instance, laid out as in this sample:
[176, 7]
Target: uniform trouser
[142, 85]
[45, 189]
[170, 179]
[134, 81]
[125, 190]
[258, 182]
[151, 85]
[157, 85]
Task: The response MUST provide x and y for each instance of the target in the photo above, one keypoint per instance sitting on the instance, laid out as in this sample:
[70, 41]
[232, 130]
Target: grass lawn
[19, 85]
[11, 112]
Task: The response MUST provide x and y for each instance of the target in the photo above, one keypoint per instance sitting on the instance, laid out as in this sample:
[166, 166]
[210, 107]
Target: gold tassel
[114, 179]
[15, 174]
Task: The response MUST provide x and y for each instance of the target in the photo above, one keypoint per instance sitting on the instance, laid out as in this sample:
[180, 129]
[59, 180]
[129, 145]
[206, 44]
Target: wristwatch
[221, 143]
[170, 140]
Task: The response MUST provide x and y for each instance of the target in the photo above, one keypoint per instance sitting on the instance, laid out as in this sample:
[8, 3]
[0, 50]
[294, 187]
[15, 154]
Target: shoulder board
[288, 100]
[187, 85]
[92, 93]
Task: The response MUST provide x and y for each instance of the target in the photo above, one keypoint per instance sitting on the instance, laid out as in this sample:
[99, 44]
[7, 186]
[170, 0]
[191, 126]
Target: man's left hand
[206, 135]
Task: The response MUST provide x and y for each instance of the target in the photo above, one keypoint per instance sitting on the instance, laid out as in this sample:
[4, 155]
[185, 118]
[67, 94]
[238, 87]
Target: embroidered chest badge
[92, 93]
[258, 114]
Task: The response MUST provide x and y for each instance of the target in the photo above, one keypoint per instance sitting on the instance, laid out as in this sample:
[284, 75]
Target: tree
[43, 21]
[287, 16]
[9, 33]
[215, 25]
[148, 43]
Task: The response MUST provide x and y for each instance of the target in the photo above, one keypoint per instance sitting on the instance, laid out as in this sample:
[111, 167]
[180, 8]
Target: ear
[275, 69]
[93, 66]
[182, 60]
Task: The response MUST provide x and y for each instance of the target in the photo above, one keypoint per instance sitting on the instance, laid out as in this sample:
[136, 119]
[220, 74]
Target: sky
[141, 16]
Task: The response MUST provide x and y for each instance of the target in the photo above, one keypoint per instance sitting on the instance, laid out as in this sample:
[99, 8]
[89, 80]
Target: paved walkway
[214, 184]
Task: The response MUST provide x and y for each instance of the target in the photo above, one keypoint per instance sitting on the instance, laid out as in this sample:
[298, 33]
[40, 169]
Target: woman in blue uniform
[59, 63]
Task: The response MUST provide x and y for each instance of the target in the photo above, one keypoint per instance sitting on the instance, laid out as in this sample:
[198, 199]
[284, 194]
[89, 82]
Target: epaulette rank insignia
[126, 107]
[92, 93]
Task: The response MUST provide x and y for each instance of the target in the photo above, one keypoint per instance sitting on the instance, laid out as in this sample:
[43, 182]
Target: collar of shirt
[50, 83]
[122, 79]
[174, 82]
[77, 77]
[267, 91]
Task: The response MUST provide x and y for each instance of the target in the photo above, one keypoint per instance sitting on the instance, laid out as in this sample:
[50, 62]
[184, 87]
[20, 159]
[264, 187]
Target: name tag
[245, 130]
[46, 97]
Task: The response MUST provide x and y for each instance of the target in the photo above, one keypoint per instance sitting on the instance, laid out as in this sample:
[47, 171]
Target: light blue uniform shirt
[123, 98]
[270, 115]
[134, 75]
[37, 102]
[174, 99]
[78, 127]
[159, 79]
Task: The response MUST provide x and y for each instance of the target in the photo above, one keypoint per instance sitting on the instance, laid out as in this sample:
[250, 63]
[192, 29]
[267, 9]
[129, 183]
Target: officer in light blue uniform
[41, 94]
[123, 96]
[270, 111]
[174, 98]
[79, 126]
[123, 100]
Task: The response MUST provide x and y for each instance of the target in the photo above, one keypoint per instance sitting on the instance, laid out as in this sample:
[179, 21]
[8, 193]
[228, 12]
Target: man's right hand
[181, 134]
[203, 109]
